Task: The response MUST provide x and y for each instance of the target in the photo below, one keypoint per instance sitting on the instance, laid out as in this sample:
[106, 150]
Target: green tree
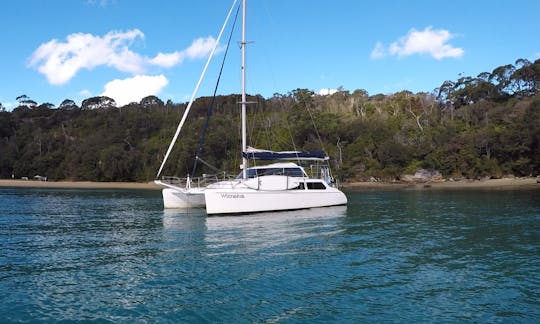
[68, 104]
[99, 102]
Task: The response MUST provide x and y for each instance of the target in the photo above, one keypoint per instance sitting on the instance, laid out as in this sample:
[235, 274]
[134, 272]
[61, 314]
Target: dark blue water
[116, 256]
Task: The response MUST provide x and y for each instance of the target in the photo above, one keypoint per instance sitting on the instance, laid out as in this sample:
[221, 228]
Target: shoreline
[78, 184]
[495, 184]
[505, 183]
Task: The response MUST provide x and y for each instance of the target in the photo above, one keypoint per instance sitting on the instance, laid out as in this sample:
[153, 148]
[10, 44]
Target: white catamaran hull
[246, 200]
[183, 198]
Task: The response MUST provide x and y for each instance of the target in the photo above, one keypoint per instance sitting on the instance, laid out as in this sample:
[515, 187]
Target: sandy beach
[506, 183]
[79, 184]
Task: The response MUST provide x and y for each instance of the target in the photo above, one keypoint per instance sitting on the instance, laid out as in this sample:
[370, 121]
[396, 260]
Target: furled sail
[257, 154]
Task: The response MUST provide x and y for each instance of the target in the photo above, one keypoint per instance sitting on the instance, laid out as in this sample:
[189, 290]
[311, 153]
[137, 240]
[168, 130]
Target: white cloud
[10, 105]
[166, 60]
[326, 92]
[85, 93]
[135, 88]
[429, 41]
[379, 51]
[200, 48]
[61, 61]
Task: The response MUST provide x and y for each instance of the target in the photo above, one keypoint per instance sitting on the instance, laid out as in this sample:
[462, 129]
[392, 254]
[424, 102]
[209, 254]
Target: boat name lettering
[232, 196]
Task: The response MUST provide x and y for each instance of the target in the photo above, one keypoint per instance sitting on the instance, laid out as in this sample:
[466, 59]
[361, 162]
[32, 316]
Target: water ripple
[116, 256]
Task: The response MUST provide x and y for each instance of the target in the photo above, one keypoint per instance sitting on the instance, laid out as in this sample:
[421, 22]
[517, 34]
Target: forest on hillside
[473, 127]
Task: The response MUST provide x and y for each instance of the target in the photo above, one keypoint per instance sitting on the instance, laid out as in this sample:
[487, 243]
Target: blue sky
[76, 49]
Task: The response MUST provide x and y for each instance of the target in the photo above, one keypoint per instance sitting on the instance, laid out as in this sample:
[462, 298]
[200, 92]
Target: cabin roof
[276, 165]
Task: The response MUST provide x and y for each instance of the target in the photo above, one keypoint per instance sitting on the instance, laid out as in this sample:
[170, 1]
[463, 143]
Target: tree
[99, 102]
[22, 98]
[303, 97]
[68, 104]
[502, 77]
[527, 77]
[151, 101]
[46, 105]
[29, 103]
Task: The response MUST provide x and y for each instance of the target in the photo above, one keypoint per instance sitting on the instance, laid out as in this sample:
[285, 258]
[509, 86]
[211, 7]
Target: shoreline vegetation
[483, 127]
[504, 183]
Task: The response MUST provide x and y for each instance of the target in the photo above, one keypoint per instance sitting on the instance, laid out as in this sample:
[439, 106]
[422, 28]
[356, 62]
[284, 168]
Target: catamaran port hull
[183, 198]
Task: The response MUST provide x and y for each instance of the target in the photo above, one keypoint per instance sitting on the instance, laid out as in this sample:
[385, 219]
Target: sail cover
[257, 154]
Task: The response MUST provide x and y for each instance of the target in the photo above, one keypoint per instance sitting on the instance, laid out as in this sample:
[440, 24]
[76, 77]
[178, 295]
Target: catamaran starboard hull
[224, 201]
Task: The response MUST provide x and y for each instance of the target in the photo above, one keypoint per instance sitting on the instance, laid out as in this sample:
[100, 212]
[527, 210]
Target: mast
[243, 70]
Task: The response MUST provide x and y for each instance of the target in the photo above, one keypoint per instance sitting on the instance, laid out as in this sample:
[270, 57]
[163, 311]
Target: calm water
[389, 256]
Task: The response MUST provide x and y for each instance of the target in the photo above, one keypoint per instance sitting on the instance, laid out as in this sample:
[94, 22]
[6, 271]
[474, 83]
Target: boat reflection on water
[254, 232]
[275, 218]
[183, 218]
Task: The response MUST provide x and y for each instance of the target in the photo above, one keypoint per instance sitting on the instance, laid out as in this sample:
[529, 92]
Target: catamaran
[285, 184]
[273, 187]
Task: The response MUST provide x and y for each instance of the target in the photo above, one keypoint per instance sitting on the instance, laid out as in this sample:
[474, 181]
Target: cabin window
[270, 171]
[293, 172]
[251, 173]
[311, 186]
[316, 185]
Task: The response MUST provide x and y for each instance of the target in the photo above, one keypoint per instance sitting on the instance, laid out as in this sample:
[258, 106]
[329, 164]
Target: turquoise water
[403, 256]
